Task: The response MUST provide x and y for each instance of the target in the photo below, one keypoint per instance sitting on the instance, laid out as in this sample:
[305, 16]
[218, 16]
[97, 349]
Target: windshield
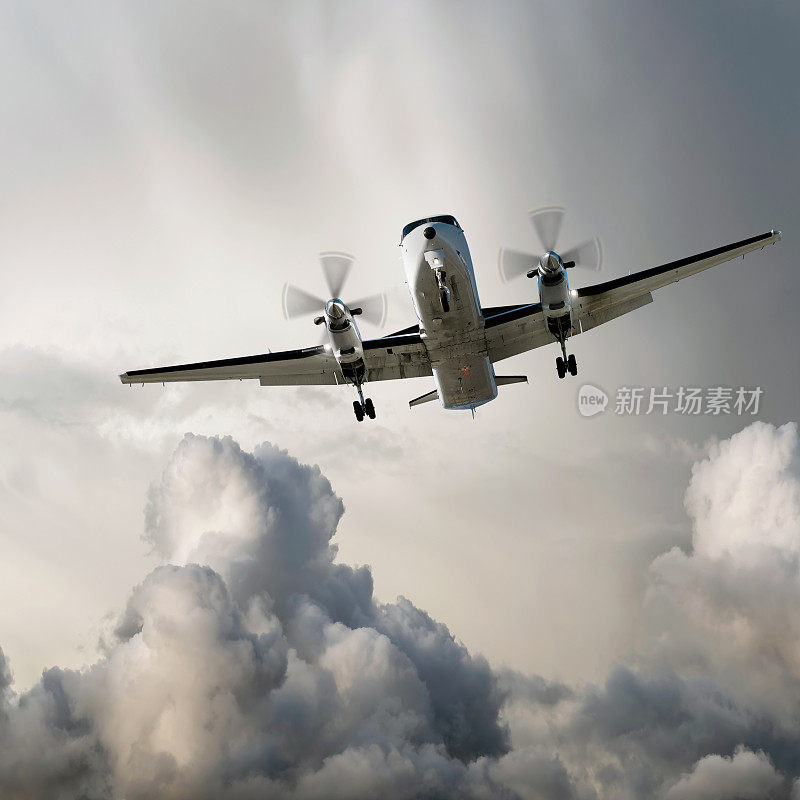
[446, 218]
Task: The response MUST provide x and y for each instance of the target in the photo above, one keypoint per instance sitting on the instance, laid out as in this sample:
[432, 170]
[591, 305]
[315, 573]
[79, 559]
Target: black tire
[358, 410]
[444, 297]
[561, 367]
[572, 365]
[369, 408]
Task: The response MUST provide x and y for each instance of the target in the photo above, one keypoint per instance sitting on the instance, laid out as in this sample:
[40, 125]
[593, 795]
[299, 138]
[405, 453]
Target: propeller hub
[335, 309]
[550, 262]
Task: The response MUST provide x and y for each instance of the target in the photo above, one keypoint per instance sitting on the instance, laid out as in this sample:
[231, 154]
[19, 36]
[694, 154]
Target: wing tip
[777, 234]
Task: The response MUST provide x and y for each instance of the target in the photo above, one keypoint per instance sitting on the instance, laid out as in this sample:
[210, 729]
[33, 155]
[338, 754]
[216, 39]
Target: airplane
[456, 340]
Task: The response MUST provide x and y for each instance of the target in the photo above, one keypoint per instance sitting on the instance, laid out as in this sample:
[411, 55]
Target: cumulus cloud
[731, 607]
[252, 663]
[745, 497]
[713, 692]
[744, 776]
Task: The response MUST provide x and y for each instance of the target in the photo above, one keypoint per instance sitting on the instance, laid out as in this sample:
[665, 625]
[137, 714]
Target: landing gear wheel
[561, 367]
[572, 365]
[369, 408]
[358, 409]
[444, 297]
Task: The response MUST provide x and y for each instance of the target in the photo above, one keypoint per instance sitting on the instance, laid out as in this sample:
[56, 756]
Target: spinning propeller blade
[335, 268]
[513, 263]
[547, 223]
[373, 309]
[588, 255]
[298, 303]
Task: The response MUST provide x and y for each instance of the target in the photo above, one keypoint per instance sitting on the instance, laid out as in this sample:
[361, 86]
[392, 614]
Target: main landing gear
[564, 363]
[362, 407]
[561, 328]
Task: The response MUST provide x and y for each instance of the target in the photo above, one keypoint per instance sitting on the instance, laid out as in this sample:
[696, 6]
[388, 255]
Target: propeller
[547, 222]
[336, 268]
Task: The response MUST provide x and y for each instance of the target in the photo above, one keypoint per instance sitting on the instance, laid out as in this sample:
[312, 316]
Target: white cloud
[745, 497]
[744, 776]
[253, 664]
[267, 669]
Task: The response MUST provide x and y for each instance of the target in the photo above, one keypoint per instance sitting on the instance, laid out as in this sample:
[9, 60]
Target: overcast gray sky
[166, 167]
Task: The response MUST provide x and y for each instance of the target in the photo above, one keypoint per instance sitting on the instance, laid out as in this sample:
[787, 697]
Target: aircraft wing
[595, 299]
[311, 365]
[402, 355]
[511, 330]
[391, 357]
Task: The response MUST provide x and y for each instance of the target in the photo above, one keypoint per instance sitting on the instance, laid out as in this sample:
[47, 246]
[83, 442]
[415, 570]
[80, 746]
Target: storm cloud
[252, 663]
[708, 705]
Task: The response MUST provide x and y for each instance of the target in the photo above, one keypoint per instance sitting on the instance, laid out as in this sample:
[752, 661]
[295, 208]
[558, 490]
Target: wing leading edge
[391, 357]
[649, 280]
[290, 367]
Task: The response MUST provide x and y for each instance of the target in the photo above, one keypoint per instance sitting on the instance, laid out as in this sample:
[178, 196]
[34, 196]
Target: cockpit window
[446, 218]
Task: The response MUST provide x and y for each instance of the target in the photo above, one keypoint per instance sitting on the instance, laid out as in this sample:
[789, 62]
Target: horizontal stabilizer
[502, 380]
[424, 398]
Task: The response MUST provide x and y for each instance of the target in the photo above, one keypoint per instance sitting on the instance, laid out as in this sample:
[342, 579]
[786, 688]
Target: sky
[167, 168]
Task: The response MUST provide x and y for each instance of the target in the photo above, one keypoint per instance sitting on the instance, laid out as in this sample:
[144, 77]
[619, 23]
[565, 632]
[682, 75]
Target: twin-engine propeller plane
[457, 341]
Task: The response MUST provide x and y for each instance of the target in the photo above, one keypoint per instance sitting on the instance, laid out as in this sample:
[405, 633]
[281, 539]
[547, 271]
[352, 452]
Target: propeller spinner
[547, 222]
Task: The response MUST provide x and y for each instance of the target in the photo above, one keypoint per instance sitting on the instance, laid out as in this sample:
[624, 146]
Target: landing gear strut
[362, 407]
[564, 363]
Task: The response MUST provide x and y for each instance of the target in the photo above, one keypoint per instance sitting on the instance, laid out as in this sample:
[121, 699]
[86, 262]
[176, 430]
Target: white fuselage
[454, 338]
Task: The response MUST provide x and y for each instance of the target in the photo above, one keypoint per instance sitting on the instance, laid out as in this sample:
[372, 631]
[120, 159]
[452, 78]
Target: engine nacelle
[345, 339]
[554, 293]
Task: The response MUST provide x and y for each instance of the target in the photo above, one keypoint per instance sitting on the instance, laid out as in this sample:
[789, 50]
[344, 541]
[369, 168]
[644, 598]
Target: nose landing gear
[444, 292]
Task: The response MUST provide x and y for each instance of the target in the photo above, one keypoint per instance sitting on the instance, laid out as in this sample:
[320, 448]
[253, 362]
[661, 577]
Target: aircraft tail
[500, 380]
[504, 380]
[424, 398]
